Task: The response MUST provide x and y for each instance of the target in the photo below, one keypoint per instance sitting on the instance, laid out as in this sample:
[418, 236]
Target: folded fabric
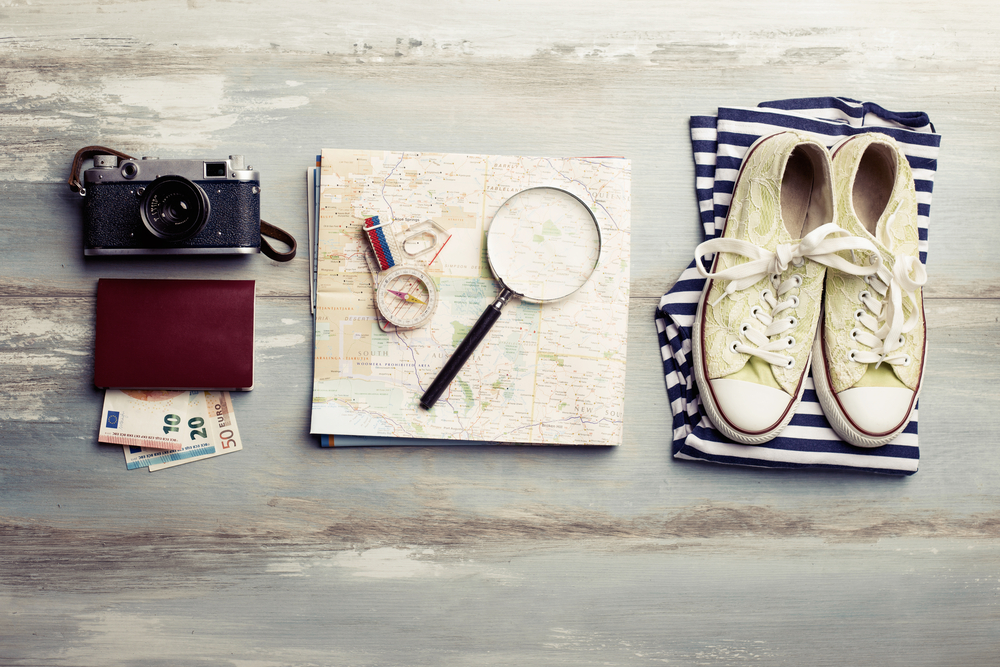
[719, 144]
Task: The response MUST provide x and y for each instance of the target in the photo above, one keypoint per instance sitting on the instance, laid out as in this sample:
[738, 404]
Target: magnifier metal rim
[590, 212]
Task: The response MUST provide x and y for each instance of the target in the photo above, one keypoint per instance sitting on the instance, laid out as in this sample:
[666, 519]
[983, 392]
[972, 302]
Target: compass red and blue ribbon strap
[383, 253]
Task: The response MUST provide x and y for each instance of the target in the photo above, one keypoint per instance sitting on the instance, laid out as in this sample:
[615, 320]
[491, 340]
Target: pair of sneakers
[817, 265]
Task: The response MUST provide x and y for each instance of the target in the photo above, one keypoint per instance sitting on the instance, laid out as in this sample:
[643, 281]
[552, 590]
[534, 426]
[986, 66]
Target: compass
[406, 297]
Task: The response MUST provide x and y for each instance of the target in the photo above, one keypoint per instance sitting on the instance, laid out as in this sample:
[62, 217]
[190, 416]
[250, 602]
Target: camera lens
[174, 209]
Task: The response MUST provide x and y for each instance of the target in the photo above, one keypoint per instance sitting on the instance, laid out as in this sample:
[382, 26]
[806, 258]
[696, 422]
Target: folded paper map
[545, 374]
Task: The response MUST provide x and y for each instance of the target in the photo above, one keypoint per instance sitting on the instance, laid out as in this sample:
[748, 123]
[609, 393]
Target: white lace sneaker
[757, 318]
[872, 345]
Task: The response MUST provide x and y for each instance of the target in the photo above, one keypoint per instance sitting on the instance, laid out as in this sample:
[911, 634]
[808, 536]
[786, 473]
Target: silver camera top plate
[110, 169]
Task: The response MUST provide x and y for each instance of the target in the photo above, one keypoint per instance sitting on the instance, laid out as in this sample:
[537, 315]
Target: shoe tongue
[883, 376]
[757, 371]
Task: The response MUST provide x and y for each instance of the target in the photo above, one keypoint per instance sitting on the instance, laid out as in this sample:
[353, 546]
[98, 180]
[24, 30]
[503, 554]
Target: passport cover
[174, 334]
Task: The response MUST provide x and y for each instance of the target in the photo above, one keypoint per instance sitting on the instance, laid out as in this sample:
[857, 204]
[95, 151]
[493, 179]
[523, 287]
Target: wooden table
[287, 553]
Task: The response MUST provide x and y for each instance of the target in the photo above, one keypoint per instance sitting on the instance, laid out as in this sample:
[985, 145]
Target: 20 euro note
[223, 432]
[149, 419]
[209, 430]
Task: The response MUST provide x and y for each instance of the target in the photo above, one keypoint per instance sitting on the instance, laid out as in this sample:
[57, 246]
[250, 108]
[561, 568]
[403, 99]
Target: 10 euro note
[149, 419]
[209, 430]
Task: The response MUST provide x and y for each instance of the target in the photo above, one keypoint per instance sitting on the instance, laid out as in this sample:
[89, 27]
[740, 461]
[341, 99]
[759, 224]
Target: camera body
[170, 207]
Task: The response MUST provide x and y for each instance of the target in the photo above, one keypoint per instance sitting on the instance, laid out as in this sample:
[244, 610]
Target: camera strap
[86, 153]
[266, 228]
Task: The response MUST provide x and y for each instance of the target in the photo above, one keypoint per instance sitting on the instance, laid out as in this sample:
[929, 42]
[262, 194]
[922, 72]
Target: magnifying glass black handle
[464, 350]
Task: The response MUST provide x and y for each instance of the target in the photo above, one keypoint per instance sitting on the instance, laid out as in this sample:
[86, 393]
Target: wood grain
[286, 553]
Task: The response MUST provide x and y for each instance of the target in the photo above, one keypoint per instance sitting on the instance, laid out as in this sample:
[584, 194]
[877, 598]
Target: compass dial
[406, 297]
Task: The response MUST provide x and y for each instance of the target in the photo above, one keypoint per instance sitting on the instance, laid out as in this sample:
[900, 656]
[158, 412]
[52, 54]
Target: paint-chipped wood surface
[286, 553]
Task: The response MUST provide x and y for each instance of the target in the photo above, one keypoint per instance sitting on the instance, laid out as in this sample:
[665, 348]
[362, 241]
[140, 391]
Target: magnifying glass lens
[543, 244]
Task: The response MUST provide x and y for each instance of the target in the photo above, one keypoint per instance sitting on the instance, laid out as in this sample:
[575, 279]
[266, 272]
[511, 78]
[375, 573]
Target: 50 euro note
[209, 430]
[140, 418]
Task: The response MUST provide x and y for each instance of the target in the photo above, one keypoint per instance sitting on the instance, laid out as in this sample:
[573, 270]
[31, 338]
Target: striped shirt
[719, 143]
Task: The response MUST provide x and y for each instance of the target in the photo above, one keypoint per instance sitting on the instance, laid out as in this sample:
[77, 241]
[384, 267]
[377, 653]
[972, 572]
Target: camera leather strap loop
[86, 153]
[267, 229]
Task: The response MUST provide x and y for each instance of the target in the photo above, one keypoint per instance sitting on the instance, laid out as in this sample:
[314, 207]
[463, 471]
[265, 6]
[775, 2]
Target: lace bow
[821, 246]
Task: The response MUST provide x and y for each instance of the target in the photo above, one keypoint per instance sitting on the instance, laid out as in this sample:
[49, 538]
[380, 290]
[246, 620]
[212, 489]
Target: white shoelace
[894, 287]
[820, 245]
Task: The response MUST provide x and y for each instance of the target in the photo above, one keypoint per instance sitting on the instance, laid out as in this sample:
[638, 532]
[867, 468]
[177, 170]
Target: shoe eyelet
[732, 346]
[790, 341]
[852, 355]
[902, 339]
[854, 333]
[790, 363]
[906, 360]
[858, 313]
[775, 278]
[765, 294]
[864, 295]
[798, 261]
[793, 322]
[798, 280]
[744, 328]
[755, 311]
[795, 301]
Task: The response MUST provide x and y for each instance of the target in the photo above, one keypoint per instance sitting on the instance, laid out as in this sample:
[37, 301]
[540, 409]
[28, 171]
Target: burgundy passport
[174, 334]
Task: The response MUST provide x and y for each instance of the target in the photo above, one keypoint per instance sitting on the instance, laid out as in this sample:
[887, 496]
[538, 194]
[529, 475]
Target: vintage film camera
[166, 207]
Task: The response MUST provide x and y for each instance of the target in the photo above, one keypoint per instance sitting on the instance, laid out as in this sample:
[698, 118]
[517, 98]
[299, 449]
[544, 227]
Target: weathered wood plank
[100, 601]
[50, 411]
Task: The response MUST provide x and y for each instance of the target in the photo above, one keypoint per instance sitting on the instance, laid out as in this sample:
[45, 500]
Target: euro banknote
[210, 429]
[149, 419]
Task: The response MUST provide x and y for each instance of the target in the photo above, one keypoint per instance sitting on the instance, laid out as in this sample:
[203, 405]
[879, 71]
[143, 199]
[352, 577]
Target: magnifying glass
[543, 244]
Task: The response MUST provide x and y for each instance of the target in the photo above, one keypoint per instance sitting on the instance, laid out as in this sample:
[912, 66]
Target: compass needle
[407, 297]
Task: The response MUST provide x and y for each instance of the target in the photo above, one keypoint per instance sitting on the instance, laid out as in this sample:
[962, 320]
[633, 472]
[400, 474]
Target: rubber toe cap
[876, 410]
[748, 406]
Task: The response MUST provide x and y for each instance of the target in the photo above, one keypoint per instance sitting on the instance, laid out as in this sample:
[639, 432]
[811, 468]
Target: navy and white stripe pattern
[719, 144]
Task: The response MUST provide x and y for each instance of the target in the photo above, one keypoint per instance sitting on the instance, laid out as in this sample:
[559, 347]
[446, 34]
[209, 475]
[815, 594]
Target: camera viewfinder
[215, 170]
